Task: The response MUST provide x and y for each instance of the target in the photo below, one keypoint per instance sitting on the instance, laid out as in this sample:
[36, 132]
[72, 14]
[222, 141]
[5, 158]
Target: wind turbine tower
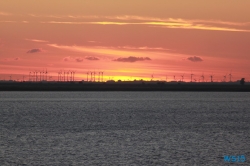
[192, 77]
[202, 76]
[43, 75]
[225, 78]
[211, 77]
[230, 76]
[30, 76]
[102, 76]
[64, 75]
[46, 74]
[36, 75]
[71, 75]
[99, 76]
[74, 75]
[182, 77]
[67, 76]
[40, 75]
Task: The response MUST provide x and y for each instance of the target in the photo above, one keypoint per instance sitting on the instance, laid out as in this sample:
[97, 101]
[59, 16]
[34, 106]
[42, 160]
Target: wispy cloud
[215, 25]
[66, 16]
[195, 59]
[8, 21]
[177, 25]
[132, 59]
[79, 59]
[91, 41]
[66, 59]
[12, 59]
[110, 51]
[92, 58]
[35, 50]
[11, 21]
[36, 40]
[174, 20]
[143, 48]
[143, 19]
[5, 14]
[49, 16]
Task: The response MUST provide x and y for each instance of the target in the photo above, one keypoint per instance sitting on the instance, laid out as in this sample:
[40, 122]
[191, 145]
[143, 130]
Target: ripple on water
[123, 128]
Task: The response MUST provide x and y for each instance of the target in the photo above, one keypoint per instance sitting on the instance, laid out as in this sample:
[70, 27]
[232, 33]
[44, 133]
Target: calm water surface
[123, 128]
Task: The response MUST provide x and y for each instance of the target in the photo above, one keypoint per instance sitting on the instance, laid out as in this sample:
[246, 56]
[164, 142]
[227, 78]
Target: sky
[127, 40]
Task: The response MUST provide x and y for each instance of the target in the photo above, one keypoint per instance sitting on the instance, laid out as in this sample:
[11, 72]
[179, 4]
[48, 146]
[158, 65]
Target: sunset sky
[132, 39]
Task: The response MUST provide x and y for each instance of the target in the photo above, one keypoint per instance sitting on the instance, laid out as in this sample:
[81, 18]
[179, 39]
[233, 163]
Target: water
[123, 128]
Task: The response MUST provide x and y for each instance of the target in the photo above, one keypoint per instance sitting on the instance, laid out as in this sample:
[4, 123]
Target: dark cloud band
[195, 59]
[35, 50]
[132, 59]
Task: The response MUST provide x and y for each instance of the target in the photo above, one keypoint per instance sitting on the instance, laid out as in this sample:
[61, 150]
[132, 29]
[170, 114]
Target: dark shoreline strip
[123, 87]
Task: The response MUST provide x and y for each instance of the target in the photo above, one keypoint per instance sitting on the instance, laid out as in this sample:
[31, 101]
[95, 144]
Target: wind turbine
[37, 72]
[202, 76]
[192, 77]
[211, 77]
[230, 76]
[225, 78]
[152, 77]
[40, 75]
[43, 75]
[102, 76]
[99, 78]
[87, 76]
[68, 76]
[182, 76]
[58, 76]
[73, 75]
[64, 75]
[30, 76]
[46, 74]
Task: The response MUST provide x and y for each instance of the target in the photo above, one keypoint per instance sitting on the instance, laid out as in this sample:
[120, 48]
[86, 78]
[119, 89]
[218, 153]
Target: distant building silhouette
[242, 81]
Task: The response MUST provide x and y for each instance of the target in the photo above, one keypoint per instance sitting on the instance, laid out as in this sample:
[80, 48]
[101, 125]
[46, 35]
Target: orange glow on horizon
[124, 40]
